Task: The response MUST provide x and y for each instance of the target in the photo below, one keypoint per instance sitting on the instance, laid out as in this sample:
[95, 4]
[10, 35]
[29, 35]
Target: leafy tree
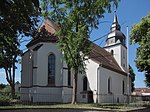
[76, 19]
[2, 86]
[132, 78]
[17, 18]
[8, 59]
[140, 34]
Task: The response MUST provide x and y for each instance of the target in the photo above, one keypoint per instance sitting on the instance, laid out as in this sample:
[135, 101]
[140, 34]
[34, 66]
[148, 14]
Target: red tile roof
[99, 55]
[104, 58]
[139, 91]
[45, 33]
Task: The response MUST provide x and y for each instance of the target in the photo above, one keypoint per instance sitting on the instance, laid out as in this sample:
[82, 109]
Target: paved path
[141, 110]
[53, 110]
[68, 110]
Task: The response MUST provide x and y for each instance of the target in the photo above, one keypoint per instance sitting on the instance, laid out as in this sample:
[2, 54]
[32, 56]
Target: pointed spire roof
[115, 25]
[115, 17]
[115, 33]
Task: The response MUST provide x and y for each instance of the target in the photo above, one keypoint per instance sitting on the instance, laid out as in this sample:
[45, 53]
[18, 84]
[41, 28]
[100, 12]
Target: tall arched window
[109, 85]
[85, 84]
[123, 87]
[51, 69]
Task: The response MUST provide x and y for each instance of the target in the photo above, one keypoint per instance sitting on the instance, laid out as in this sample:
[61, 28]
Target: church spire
[115, 25]
[115, 17]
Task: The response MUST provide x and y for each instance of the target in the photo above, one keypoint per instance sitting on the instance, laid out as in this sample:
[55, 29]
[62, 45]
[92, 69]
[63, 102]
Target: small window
[123, 54]
[85, 84]
[124, 65]
[51, 69]
[123, 87]
[112, 52]
[109, 85]
[69, 76]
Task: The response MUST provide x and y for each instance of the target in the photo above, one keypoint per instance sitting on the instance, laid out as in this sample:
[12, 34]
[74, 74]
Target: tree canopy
[17, 17]
[140, 34]
[76, 19]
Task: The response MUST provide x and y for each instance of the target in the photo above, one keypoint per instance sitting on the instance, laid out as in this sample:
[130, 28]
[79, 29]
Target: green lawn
[94, 106]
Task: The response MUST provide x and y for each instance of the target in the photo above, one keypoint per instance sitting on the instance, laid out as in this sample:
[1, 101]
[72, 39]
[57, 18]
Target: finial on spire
[115, 17]
[115, 25]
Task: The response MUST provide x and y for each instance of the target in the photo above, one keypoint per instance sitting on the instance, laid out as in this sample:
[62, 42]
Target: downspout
[62, 70]
[97, 93]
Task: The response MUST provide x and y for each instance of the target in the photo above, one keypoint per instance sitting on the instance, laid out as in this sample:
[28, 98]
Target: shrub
[4, 100]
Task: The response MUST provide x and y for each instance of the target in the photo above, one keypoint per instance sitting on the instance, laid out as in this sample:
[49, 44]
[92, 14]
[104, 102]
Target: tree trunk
[74, 94]
[12, 91]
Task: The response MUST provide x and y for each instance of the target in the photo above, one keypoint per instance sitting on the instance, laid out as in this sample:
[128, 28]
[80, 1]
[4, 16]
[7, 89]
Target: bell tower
[115, 44]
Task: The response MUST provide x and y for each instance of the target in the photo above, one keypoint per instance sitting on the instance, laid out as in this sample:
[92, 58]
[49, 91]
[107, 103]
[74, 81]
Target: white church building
[46, 78]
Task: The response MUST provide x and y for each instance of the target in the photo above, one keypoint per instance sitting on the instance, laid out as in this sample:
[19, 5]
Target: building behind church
[45, 76]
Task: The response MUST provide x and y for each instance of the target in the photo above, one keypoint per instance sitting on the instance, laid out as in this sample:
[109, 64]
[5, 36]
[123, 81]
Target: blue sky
[129, 12]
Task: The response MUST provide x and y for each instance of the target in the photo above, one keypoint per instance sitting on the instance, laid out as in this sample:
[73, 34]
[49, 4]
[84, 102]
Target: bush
[4, 100]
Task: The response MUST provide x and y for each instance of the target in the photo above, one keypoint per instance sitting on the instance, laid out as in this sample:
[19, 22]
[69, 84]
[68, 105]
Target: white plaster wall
[65, 77]
[42, 64]
[117, 53]
[91, 74]
[124, 58]
[47, 94]
[146, 94]
[35, 55]
[24, 94]
[67, 95]
[116, 86]
[26, 75]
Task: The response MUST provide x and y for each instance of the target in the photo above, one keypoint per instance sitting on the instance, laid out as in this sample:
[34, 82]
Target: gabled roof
[99, 55]
[45, 33]
[104, 59]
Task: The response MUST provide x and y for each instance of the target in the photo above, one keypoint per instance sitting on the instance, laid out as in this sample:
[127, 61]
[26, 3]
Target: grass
[91, 106]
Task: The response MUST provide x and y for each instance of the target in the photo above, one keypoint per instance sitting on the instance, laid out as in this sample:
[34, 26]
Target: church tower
[115, 44]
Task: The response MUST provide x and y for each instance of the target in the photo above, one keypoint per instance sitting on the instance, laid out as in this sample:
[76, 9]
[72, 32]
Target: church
[45, 77]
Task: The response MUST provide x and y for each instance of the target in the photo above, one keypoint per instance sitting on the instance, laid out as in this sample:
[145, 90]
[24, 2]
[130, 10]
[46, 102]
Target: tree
[2, 86]
[8, 59]
[76, 19]
[132, 74]
[140, 34]
[17, 18]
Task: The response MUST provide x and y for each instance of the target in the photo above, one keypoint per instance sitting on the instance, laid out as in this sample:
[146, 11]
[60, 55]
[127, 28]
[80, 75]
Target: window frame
[85, 83]
[109, 83]
[51, 68]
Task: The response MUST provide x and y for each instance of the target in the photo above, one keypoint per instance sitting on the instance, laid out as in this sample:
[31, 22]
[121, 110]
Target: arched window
[51, 69]
[85, 84]
[109, 85]
[112, 52]
[123, 87]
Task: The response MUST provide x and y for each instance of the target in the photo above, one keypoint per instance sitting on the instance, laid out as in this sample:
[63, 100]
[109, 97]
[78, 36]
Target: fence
[38, 98]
